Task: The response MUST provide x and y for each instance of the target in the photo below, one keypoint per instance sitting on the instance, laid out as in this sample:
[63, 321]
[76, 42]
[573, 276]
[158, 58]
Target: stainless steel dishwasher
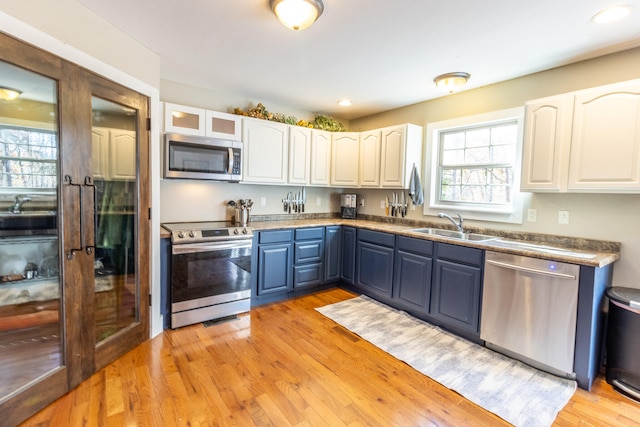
[529, 309]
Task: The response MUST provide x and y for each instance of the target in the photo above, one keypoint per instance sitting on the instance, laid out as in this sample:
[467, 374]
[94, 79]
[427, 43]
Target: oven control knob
[180, 234]
[192, 234]
[244, 231]
[235, 231]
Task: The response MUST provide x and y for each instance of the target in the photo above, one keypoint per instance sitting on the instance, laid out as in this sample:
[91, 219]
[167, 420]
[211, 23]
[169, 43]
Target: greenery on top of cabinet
[320, 122]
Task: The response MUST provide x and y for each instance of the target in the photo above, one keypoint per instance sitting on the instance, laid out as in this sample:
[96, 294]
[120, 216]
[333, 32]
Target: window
[475, 166]
[28, 158]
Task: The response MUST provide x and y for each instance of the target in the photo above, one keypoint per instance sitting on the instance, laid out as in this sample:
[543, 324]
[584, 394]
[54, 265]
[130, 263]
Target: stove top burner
[207, 231]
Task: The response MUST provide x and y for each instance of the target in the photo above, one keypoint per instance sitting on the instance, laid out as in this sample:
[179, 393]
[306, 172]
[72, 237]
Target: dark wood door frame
[81, 356]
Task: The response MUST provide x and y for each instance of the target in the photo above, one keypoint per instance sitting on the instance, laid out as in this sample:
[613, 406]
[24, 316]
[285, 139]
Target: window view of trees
[476, 164]
[27, 158]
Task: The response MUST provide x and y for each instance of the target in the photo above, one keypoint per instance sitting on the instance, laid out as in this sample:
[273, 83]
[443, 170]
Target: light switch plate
[532, 215]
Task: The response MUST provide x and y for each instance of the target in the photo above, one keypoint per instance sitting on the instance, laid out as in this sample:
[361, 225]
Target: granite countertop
[595, 253]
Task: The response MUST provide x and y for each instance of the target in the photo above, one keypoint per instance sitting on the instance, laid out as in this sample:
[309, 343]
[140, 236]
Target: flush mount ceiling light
[297, 14]
[8, 94]
[451, 82]
[611, 14]
[344, 103]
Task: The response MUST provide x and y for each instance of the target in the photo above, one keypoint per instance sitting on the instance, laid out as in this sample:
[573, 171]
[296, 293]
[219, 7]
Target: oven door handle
[192, 248]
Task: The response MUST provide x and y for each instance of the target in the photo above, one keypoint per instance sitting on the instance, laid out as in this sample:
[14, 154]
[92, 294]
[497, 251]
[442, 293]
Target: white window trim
[481, 213]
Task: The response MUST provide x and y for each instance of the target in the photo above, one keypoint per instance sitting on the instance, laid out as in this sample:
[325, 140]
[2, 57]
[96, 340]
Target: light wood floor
[286, 365]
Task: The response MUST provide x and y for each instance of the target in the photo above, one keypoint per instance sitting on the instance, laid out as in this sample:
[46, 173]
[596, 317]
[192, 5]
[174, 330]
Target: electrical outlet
[563, 217]
[318, 201]
[382, 204]
[362, 202]
[263, 201]
[532, 215]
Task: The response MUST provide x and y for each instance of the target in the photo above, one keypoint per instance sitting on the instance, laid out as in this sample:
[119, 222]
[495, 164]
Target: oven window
[205, 274]
[192, 158]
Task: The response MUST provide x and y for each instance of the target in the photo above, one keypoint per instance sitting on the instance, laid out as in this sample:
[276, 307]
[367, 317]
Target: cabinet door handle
[82, 223]
[88, 183]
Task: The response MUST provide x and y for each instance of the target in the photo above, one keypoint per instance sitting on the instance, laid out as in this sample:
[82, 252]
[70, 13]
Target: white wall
[611, 217]
[191, 200]
[72, 24]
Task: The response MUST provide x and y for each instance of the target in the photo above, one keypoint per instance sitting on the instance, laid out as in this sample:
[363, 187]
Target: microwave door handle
[230, 170]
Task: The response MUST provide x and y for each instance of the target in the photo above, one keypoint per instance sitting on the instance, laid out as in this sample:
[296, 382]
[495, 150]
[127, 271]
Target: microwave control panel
[236, 162]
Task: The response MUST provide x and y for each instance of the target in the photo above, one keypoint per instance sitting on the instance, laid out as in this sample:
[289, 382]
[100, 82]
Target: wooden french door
[89, 269]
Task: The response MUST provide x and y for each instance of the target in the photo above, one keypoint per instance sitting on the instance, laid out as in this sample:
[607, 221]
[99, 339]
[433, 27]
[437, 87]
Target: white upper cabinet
[605, 143]
[114, 154]
[369, 166]
[265, 151]
[586, 141]
[345, 150]
[122, 154]
[223, 125]
[401, 148]
[320, 158]
[387, 156]
[299, 155]
[547, 138]
[100, 152]
[185, 120]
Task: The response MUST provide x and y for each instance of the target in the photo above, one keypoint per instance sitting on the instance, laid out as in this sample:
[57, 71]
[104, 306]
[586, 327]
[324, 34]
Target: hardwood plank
[285, 364]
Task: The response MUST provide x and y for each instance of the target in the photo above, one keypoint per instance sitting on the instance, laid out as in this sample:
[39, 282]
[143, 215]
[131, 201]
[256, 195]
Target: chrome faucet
[17, 204]
[458, 223]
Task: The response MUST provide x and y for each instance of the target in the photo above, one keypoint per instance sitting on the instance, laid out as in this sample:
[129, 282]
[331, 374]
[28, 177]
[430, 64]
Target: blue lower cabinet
[348, 256]
[412, 281]
[457, 287]
[291, 262]
[332, 253]
[374, 266]
[308, 251]
[274, 268]
[307, 275]
[274, 262]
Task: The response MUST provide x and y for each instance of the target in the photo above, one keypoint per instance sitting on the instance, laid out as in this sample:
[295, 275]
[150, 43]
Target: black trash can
[623, 341]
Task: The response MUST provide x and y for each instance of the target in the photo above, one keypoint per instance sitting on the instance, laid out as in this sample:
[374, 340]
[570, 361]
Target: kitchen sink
[455, 234]
[27, 223]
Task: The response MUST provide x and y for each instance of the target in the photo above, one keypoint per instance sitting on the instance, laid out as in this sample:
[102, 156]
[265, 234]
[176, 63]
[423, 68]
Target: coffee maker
[348, 206]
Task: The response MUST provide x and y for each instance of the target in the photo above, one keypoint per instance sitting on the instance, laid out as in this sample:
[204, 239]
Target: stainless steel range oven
[210, 271]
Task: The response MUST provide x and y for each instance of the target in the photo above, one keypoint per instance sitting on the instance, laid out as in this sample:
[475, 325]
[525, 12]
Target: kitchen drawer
[377, 237]
[307, 275]
[415, 246]
[276, 236]
[308, 251]
[309, 233]
[462, 254]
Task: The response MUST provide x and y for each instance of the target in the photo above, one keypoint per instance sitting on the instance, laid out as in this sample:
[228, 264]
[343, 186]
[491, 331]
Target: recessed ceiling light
[344, 103]
[611, 14]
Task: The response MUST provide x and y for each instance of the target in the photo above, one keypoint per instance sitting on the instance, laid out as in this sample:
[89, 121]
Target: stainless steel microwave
[193, 157]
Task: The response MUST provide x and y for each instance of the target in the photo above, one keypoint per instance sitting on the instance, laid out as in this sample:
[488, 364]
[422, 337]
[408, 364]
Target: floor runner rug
[516, 392]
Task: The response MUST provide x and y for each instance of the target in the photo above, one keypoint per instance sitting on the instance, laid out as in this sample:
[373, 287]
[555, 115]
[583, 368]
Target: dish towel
[415, 188]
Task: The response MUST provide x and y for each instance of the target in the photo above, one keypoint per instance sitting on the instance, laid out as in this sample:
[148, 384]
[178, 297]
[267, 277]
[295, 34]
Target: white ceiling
[380, 54]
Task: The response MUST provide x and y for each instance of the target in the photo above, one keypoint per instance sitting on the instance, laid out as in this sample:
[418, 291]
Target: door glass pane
[114, 172]
[30, 290]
